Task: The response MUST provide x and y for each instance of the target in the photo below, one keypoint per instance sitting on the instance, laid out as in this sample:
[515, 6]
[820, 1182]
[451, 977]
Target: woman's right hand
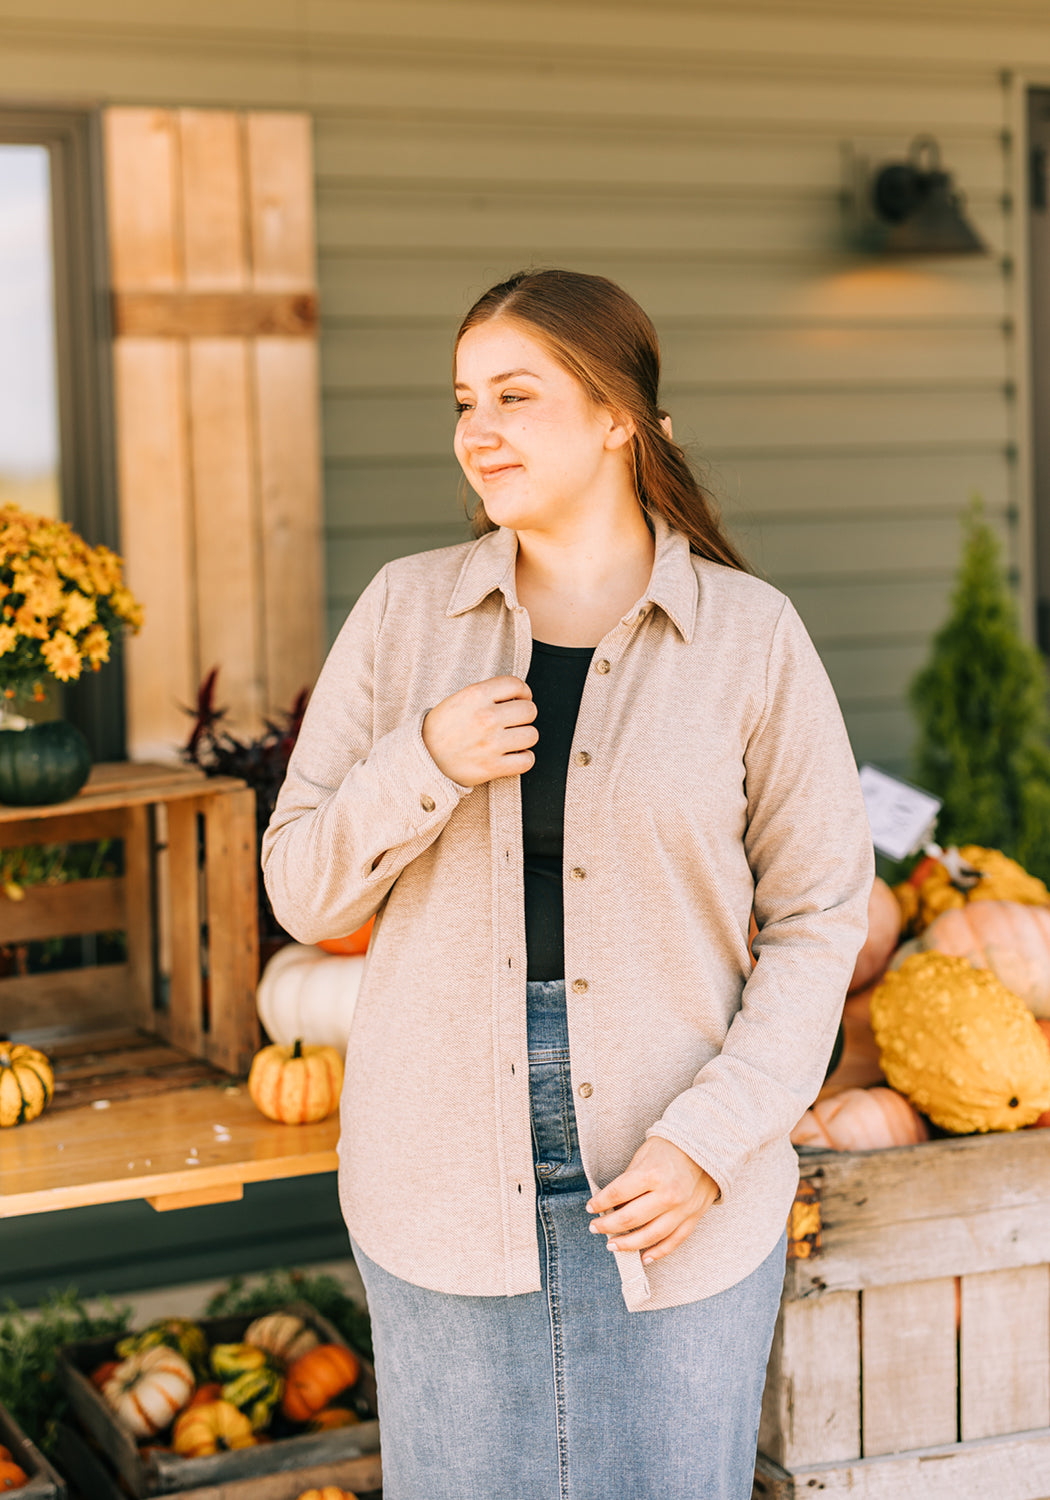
[483, 731]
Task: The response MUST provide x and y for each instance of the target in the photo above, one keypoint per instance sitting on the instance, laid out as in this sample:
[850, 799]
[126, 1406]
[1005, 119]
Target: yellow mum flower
[77, 613]
[30, 625]
[127, 607]
[47, 599]
[62, 656]
[8, 639]
[95, 645]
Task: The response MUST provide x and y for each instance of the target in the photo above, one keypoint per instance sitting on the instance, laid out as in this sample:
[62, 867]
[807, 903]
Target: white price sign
[902, 816]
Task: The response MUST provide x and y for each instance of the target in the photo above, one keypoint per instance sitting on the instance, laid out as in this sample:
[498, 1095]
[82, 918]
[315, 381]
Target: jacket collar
[672, 584]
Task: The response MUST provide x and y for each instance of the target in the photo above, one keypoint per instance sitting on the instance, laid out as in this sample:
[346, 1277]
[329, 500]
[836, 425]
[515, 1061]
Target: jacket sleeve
[808, 843]
[353, 811]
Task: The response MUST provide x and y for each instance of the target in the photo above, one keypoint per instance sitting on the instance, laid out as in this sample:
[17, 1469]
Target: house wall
[695, 152]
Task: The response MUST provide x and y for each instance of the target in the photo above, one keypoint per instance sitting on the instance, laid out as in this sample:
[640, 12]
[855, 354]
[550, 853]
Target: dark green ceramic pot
[43, 764]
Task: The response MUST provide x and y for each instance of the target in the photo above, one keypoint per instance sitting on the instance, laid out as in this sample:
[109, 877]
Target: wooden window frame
[83, 361]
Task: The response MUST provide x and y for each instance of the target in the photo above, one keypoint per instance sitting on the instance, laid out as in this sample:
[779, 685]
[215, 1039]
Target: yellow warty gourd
[960, 1046]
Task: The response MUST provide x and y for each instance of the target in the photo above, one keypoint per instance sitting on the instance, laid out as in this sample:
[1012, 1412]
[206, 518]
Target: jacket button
[601, 666]
[579, 874]
[579, 985]
[585, 1091]
[583, 758]
[427, 803]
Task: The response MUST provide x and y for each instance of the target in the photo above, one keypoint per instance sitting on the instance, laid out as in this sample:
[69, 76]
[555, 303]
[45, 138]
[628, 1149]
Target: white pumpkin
[309, 995]
[282, 1335]
[147, 1390]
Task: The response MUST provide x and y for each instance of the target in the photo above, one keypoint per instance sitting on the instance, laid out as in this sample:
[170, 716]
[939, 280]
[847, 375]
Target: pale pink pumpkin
[884, 930]
[861, 1120]
[1008, 937]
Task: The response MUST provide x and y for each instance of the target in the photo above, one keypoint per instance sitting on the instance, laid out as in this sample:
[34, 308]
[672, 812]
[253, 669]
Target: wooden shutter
[211, 243]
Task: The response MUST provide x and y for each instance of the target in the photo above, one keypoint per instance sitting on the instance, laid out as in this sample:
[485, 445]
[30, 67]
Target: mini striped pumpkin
[296, 1085]
[26, 1083]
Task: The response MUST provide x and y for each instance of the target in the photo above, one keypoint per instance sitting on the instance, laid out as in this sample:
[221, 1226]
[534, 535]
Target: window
[55, 404]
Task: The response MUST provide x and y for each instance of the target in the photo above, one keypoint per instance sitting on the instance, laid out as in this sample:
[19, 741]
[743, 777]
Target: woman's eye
[510, 396]
[460, 407]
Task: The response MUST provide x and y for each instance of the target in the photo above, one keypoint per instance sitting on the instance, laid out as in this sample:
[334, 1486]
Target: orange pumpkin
[205, 1393]
[884, 930]
[331, 1417]
[11, 1476]
[101, 1375]
[1009, 937]
[297, 1084]
[316, 1377]
[861, 1120]
[6, 1456]
[357, 942]
[328, 1492]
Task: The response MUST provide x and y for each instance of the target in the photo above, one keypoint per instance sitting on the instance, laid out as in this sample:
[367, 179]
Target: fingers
[506, 688]
[663, 1227]
[621, 1190]
[632, 1215]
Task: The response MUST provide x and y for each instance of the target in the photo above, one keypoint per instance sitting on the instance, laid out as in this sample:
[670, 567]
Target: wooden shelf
[149, 1054]
[148, 1147]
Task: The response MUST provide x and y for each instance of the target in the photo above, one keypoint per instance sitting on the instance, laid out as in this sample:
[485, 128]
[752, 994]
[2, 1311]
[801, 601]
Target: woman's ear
[665, 423]
[620, 431]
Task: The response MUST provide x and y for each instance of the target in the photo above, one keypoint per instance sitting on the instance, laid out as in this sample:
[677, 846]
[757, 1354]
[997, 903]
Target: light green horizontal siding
[843, 411]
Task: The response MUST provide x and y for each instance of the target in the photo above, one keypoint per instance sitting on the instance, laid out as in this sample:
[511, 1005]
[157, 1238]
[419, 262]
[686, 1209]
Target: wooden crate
[44, 1483]
[912, 1352]
[349, 1454]
[181, 1007]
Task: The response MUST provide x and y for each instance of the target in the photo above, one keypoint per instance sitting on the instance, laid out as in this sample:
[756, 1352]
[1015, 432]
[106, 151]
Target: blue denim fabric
[562, 1394]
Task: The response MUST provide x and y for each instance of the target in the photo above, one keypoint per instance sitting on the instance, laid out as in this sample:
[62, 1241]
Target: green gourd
[957, 1043]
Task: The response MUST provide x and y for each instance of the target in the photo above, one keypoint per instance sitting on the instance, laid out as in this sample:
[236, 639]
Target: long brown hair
[604, 339]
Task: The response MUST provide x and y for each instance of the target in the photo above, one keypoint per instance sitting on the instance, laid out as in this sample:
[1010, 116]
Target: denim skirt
[562, 1394]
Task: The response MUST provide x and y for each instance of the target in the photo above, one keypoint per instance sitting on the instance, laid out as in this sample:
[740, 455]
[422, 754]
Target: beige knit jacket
[710, 769]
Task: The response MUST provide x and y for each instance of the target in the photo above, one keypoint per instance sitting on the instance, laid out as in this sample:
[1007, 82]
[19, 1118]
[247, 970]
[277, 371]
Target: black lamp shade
[917, 210]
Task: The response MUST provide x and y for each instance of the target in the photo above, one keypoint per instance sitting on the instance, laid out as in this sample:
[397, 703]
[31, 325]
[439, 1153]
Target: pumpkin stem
[297, 1050]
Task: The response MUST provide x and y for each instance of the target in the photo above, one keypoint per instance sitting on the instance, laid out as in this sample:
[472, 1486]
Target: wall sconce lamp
[912, 207]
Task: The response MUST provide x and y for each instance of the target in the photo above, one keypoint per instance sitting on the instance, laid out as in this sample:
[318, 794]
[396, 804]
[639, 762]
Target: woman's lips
[498, 470]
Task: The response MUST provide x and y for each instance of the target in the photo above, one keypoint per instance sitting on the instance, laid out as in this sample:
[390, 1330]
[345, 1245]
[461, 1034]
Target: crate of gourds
[185, 1405]
[912, 1351]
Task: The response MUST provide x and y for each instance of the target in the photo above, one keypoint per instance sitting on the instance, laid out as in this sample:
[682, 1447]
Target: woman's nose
[477, 432]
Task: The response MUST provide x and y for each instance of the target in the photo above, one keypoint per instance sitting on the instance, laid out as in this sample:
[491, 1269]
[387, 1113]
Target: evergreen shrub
[984, 722]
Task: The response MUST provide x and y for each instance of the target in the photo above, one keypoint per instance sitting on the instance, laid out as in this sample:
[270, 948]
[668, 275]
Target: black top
[556, 677]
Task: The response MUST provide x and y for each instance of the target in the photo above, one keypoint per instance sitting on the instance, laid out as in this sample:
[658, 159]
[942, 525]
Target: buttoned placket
[582, 803]
[510, 1026]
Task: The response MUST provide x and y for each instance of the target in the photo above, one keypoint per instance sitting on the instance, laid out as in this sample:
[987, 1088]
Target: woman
[560, 763]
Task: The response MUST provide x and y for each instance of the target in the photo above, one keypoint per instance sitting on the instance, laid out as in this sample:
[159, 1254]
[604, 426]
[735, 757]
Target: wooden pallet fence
[912, 1351]
[217, 393]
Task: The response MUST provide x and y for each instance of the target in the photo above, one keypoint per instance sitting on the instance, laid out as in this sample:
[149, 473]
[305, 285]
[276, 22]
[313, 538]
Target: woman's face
[531, 442]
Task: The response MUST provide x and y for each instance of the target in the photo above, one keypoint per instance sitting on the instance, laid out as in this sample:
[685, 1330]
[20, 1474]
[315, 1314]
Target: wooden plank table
[178, 1149]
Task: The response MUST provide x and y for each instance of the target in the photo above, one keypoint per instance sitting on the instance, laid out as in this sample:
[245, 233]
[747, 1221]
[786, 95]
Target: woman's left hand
[656, 1203]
